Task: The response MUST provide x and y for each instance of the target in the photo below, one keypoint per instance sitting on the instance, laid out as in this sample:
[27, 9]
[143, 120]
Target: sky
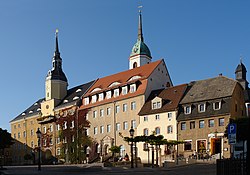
[197, 39]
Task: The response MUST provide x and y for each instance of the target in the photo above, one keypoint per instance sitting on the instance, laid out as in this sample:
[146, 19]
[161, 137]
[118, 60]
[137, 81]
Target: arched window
[170, 129]
[135, 65]
[157, 130]
[145, 132]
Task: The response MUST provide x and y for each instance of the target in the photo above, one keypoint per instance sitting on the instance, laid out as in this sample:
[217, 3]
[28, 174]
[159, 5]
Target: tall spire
[57, 48]
[140, 35]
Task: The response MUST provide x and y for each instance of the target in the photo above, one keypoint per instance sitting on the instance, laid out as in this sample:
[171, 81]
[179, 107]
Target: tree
[5, 142]
[114, 150]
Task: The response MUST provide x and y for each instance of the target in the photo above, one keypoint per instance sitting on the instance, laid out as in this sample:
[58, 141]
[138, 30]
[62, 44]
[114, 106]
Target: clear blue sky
[198, 39]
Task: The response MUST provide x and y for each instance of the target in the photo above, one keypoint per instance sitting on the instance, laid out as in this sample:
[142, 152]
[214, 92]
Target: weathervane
[57, 32]
[241, 58]
[140, 8]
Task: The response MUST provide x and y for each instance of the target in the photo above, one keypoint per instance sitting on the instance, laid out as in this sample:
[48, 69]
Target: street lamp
[39, 135]
[132, 132]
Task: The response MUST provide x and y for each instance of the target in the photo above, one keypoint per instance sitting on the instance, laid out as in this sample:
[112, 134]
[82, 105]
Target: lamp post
[131, 132]
[39, 135]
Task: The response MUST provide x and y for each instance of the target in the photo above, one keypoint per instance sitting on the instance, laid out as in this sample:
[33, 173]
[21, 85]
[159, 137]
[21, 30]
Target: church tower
[140, 54]
[56, 82]
[240, 75]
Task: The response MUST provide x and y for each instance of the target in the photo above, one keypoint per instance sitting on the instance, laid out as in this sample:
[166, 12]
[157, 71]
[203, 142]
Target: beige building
[207, 109]
[158, 115]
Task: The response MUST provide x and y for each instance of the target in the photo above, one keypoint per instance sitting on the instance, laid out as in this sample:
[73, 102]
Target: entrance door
[216, 145]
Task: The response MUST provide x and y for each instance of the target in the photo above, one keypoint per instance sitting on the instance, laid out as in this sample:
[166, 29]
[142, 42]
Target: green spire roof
[140, 48]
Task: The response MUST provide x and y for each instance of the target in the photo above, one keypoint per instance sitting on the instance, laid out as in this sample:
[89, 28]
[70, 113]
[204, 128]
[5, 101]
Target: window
[72, 124]
[95, 130]
[170, 115]
[86, 100]
[156, 105]
[108, 111]
[133, 124]
[170, 129]
[157, 117]
[58, 151]
[14, 126]
[132, 88]
[188, 145]
[192, 125]
[221, 122]
[187, 109]
[58, 127]
[124, 90]
[32, 144]
[101, 112]
[51, 128]
[217, 105]
[117, 127]
[94, 98]
[133, 105]
[65, 125]
[94, 114]
[51, 141]
[201, 124]
[44, 142]
[18, 135]
[101, 96]
[58, 141]
[108, 128]
[157, 130]
[116, 92]
[32, 132]
[117, 109]
[201, 107]
[24, 134]
[145, 118]
[125, 125]
[125, 107]
[72, 138]
[211, 123]
[44, 129]
[101, 129]
[145, 132]
[14, 136]
[183, 126]
[108, 94]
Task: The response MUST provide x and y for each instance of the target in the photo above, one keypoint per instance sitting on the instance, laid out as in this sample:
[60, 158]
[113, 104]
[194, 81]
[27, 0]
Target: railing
[231, 167]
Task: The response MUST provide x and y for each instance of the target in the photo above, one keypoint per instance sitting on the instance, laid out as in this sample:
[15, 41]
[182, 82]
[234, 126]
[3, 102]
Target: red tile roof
[122, 77]
[170, 96]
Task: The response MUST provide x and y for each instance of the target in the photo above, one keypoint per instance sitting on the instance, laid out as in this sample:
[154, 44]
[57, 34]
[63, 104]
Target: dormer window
[75, 98]
[217, 105]
[65, 101]
[78, 90]
[116, 92]
[187, 109]
[202, 107]
[101, 96]
[108, 94]
[86, 100]
[156, 105]
[124, 90]
[94, 98]
[132, 88]
[114, 84]
[134, 77]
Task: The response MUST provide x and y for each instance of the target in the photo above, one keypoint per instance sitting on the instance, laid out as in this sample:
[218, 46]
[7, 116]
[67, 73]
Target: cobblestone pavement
[98, 169]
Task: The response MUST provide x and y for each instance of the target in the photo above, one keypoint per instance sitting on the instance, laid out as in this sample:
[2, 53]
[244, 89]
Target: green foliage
[115, 149]
[153, 140]
[5, 139]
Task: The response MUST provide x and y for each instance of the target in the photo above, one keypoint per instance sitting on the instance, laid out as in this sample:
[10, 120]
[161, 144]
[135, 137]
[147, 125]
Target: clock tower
[140, 54]
[56, 82]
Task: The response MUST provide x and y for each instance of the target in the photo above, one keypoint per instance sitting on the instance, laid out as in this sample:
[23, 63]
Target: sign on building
[231, 133]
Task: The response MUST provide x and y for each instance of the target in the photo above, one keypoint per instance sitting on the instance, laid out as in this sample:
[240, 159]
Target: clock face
[47, 106]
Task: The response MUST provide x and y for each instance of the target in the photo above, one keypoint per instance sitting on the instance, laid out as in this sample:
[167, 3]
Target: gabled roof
[170, 100]
[33, 110]
[208, 89]
[75, 94]
[123, 77]
[77, 91]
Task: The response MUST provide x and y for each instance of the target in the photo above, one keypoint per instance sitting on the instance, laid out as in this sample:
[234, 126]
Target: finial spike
[140, 35]
[241, 59]
[57, 48]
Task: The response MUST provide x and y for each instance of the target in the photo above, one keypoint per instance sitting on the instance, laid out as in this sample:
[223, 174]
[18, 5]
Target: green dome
[140, 48]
